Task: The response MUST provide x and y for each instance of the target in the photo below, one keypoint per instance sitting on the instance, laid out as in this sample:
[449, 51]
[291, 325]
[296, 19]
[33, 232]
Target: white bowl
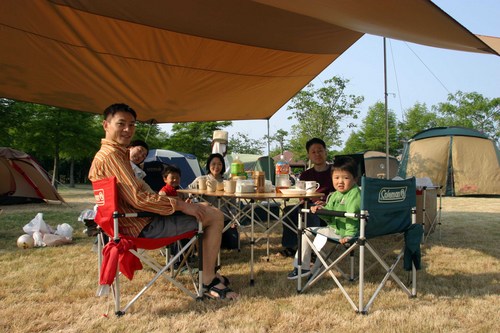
[293, 191]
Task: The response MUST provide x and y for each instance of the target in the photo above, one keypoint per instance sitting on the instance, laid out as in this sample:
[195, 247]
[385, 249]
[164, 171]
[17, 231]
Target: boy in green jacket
[346, 198]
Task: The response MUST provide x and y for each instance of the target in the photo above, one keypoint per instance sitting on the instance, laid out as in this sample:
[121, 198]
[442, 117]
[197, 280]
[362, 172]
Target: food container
[259, 181]
[245, 186]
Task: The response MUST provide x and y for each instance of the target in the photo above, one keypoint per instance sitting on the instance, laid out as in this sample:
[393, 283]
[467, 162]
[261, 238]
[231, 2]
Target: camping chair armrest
[138, 214]
[333, 213]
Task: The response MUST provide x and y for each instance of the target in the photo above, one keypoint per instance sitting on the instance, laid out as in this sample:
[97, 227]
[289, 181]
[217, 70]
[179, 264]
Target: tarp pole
[386, 116]
[268, 152]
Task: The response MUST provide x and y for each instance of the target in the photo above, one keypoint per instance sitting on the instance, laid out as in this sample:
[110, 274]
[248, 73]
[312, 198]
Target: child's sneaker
[293, 275]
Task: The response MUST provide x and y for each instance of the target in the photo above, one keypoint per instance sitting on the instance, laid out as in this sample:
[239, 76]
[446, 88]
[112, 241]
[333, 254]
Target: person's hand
[320, 203]
[314, 209]
[344, 240]
[198, 211]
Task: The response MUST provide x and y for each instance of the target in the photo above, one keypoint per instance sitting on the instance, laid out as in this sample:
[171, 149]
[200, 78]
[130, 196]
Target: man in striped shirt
[135, 195]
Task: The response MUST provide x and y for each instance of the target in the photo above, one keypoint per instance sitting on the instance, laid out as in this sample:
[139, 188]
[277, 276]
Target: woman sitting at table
[215, 168]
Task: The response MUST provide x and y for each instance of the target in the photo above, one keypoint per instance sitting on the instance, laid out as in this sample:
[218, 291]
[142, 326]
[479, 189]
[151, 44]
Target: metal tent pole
[386, 116]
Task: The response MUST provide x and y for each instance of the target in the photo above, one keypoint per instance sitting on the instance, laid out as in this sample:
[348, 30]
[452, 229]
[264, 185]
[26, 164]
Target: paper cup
[229, 186]
[202, 183]
[211, 185]
[220, 186]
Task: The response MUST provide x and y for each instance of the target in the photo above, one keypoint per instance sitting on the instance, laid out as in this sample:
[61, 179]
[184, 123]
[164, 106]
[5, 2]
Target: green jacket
[346, 202]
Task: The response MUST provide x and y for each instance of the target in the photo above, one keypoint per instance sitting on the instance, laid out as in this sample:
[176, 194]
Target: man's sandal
[225, 281]
[212, 287]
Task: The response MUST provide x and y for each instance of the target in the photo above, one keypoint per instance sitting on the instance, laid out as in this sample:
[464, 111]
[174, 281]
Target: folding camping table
[256, 200]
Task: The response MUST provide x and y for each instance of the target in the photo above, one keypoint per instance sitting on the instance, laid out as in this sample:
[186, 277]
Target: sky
[415, 73]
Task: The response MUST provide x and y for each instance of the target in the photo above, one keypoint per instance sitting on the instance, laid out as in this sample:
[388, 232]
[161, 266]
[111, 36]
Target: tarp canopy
[191, 60]
[462, 160]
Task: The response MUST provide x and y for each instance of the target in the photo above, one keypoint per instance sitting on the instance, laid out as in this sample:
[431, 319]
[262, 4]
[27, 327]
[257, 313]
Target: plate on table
[293, 191]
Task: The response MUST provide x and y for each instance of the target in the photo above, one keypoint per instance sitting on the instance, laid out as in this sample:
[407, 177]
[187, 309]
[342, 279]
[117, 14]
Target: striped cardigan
[134, 194]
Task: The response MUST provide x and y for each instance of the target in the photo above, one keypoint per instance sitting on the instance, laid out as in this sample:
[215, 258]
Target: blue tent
[157, 158]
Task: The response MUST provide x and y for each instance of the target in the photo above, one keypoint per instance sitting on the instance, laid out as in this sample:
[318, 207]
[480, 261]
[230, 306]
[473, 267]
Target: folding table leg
[252, 242]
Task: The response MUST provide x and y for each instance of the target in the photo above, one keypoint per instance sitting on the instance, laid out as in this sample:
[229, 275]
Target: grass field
[53, 289]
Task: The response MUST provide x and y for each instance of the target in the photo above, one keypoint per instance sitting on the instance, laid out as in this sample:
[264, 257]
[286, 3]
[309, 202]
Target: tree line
[65, 141]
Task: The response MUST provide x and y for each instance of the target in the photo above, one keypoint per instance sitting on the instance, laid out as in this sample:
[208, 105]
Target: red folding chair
[125, 254]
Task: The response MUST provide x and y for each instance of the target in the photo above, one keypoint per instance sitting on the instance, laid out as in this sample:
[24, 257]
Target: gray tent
[375, 164]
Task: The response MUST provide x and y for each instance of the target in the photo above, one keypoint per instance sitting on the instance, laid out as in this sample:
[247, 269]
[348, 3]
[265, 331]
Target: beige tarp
[493, 42]
[186, 60]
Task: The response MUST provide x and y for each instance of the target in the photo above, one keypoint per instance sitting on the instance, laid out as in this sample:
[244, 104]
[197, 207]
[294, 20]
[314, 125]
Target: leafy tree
[152, 134]
[242, 144]
[471, 110]
[418, 118]
[50, 133]
[354, 143]
[194, 137]
[63, 133]
[371, 135]
[280, 139]
[14, 117]
[321, 112]
[76, 147]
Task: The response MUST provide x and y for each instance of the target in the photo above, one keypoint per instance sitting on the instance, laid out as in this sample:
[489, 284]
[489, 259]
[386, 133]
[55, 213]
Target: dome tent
[462, 160]
[157, 158]
[375, 164]
[24, 180]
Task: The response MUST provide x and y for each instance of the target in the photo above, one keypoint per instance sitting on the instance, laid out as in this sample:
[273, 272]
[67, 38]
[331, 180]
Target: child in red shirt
[172, 179]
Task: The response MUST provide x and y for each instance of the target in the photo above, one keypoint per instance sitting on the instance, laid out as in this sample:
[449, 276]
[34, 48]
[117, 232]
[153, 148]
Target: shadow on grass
[465, 230]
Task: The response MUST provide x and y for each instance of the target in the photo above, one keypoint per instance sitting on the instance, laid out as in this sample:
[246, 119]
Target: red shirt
[169, 190]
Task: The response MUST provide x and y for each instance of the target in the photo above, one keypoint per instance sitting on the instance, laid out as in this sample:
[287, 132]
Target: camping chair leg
[325, 267]
[321, 265]
[99, 253]
[389, 273]
[351, 259]
[200, 260]
[301, 224]
[413, 281]
[116, 292]
[386, 254]
[161, 273]
[328, 269]
[185, 259]
[361, 277]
